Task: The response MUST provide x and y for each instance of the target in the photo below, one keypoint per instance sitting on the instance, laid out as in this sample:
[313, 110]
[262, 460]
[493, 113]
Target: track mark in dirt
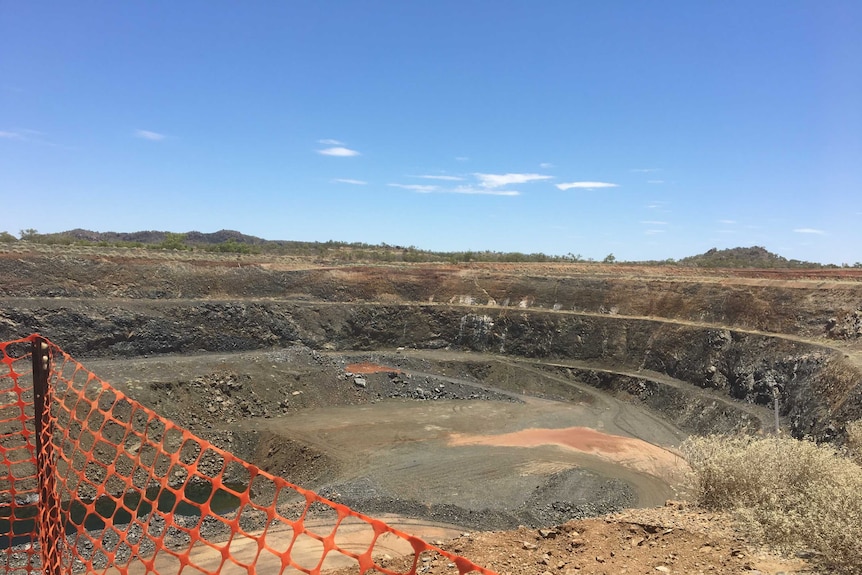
[633, 453]
[543, 467]
[351, 535]
[368, 367]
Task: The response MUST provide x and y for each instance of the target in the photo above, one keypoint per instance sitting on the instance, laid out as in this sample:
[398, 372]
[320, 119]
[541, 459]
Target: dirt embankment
[810, 303]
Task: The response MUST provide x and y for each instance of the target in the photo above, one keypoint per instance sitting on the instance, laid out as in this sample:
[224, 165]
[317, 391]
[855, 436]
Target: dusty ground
[649, 541]
[668, 539]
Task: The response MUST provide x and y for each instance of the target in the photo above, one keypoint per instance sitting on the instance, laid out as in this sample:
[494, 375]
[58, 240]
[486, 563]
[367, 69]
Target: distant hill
[157, 237]
[753, 257]
[231, 241]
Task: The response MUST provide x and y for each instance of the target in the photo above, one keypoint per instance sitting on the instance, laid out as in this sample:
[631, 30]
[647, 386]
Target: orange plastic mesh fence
[123, 490]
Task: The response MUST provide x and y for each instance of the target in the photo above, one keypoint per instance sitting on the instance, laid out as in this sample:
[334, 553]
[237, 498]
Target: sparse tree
[174, 241]
[609, 259]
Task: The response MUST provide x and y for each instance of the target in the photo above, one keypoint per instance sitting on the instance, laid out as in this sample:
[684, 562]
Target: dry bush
[789, 494]
[836, 381]
[854, 440]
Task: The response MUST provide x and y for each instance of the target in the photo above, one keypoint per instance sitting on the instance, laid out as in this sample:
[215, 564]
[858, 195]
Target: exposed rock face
[85, 327]
[848, 326]
[818, 385]
[744, 333]
[769, 300]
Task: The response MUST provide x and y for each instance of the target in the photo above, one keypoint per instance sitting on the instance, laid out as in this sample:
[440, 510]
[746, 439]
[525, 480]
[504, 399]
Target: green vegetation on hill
[753, 257]
[229, 241]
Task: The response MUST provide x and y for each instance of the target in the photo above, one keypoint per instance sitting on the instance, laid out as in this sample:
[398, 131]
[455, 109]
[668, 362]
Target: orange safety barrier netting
[101, 484]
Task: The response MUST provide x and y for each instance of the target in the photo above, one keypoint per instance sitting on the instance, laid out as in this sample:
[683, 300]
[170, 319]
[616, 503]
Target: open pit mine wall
[819, 386]
[816, 306]
[820, 390]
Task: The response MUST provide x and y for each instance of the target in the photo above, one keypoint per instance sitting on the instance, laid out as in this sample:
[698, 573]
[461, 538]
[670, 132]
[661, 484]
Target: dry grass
[788, 494]
[854, 441]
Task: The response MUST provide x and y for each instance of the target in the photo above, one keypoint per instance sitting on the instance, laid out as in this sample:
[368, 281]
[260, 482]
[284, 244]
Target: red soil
[367, 367]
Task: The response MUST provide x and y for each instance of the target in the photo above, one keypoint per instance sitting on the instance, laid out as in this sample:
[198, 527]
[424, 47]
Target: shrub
[233, 247]
[172, 242]
[788, 494]
[854, 440]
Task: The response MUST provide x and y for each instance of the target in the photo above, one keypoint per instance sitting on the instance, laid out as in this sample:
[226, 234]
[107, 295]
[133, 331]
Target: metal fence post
[50, 529]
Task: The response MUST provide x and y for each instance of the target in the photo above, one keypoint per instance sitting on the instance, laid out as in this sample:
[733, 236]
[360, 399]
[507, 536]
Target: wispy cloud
[654, 232]
[809, 231]
[327, 142]
[28, 136]
[350, 181]
[586, 185]
[654, 223]
[499, 180]
[727, 222]
[148, 135]
[338, 151]
[421, 188]
[8, 135]
[483, 191]
[443, 178]
[645, 170]
[468, 190]
[462, 159]
[546, 165]
[655, 181]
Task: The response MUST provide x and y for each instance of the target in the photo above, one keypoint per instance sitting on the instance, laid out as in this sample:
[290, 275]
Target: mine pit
[549, 394]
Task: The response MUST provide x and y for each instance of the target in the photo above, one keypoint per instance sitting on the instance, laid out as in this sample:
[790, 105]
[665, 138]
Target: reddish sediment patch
[629, 452]
[367, 367]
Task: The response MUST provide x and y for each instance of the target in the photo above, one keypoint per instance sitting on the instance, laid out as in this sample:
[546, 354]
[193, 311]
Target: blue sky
[650, 130]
